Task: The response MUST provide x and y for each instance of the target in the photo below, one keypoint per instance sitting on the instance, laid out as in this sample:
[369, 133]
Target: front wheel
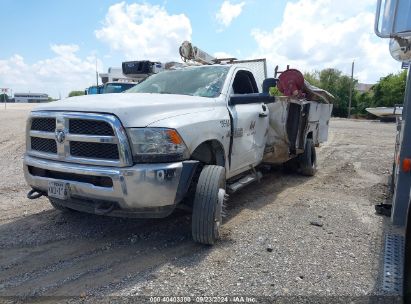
[208, 205]
[308, 160]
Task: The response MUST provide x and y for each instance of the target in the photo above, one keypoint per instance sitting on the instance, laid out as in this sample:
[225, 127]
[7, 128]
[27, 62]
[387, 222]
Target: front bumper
[143, 190]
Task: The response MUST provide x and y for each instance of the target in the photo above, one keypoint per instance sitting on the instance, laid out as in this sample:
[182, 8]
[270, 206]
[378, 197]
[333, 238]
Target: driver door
[250, 125]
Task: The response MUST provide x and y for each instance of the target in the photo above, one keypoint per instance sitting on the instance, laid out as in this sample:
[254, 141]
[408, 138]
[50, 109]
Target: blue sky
[44, 22]
[51, 46]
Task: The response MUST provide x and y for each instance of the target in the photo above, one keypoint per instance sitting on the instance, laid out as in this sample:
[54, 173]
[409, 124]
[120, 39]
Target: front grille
[99, 181]
[43, 124]
[94, 150]
[43, 145]
[89, 138]
[90, 127]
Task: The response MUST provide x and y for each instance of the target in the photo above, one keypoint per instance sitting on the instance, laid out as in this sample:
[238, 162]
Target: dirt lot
[269, 246]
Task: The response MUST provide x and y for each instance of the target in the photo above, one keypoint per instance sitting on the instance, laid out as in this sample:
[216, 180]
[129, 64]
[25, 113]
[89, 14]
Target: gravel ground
[286, 236]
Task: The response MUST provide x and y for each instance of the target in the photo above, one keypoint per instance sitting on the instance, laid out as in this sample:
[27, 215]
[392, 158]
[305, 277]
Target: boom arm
[188, 52]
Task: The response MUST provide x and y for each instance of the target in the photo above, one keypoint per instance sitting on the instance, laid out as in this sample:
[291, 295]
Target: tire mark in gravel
[125, 269]
[52, 265]
[99, 268]
[25, 264]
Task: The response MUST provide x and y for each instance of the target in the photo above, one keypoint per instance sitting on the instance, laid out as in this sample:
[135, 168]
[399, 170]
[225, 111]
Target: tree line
[4, 97]
[388, 92]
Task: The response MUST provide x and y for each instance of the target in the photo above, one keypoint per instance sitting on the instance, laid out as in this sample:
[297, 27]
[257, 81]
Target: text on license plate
[58, 190]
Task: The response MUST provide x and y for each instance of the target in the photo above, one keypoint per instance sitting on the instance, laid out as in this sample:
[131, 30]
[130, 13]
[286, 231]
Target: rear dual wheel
[308, 160]
[306, 163]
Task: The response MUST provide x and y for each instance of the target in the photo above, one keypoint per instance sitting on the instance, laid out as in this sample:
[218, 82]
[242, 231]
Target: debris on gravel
[318, 224]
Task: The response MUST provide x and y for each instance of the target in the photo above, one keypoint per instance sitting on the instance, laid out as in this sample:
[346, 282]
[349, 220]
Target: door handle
[264, 113]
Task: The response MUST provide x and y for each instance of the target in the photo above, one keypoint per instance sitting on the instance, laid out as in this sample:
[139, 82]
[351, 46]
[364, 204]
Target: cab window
[244, 83]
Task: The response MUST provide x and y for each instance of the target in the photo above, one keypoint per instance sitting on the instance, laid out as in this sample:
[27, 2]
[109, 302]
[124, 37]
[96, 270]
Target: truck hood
[133, 109]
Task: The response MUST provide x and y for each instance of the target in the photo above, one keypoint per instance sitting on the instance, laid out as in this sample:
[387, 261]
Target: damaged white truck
[183, 136]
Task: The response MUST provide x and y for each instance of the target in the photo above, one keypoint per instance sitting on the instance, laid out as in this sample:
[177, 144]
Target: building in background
[31, 97]
[113, 74]
[364, 87]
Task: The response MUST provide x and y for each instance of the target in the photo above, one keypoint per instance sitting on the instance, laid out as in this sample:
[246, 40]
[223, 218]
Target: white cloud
[222, 55]
[144, 31]
[317, 34]
[228, 12]
[62, 73]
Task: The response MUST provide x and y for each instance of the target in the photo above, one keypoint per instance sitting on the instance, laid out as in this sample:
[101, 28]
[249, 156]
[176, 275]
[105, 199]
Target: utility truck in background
[186, 136]
[118, 80]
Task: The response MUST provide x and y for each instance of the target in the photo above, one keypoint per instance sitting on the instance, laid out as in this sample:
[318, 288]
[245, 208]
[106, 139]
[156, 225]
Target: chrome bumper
[140, 187]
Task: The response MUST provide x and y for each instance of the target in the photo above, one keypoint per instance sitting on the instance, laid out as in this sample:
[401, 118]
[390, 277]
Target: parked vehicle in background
[94, 90]
[118, 80]
[386, 113]
[117, 87]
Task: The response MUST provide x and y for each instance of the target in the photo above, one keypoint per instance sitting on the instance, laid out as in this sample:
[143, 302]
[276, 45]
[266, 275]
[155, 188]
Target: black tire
[59, 207]
[208, 204]
[292, 165]
[308, 160]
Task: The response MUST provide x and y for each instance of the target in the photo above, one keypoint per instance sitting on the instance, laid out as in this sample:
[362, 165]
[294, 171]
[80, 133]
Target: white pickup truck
[181, 136]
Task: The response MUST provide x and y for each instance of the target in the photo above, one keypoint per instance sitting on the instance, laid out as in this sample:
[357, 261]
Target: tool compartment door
[321, 113]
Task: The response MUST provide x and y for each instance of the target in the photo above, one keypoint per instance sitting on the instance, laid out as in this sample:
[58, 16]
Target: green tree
[313, 78]
[337, 84]
[274, 91]
[390, 90]
[3, 97]
[76, 93]
[386, 93]
[361, 101]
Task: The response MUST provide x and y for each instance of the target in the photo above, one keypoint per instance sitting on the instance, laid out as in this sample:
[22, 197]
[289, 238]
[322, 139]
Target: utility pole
[351, 88]
[4, 91]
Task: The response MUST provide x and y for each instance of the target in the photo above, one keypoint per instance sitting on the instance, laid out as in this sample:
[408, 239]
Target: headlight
[157, 145]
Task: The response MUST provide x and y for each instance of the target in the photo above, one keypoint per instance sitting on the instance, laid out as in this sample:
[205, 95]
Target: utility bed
[291, 121]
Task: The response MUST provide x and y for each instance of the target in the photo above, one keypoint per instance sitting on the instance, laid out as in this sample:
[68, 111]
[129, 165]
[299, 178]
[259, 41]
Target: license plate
[58, 190]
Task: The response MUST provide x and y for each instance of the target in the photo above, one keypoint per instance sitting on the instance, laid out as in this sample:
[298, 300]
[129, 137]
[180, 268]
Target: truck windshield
[195, 81]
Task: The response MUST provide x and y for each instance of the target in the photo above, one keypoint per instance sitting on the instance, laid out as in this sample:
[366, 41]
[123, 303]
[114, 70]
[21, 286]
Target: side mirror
[393, 18]
[400, 49]
[269, 83]
[237, 99]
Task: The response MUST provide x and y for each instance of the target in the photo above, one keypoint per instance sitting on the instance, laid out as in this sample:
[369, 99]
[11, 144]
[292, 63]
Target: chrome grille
[90, 127]
[84, 138]
[43, 124]
[94, 150]
[44, 145]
